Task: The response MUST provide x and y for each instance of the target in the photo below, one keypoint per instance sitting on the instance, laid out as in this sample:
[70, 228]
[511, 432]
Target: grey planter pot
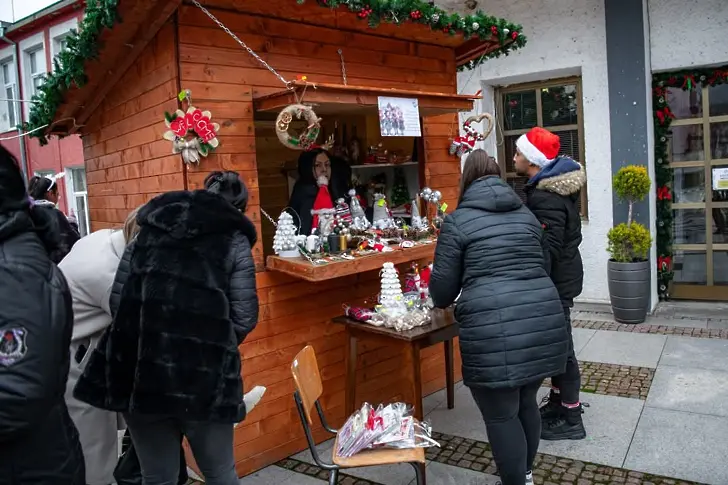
[629, 290]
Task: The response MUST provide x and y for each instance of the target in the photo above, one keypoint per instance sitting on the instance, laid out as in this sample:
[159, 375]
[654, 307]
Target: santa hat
[539, 146]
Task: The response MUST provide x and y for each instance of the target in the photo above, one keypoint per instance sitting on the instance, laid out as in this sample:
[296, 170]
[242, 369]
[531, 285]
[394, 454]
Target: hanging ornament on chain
[305, 138]
[193, 122]
[464, 144]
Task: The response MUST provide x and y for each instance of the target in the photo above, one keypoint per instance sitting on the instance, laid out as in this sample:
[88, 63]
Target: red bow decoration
[660, 91]
[689, 82]
[664, 114]
[663, 193]
[373, 420]
[717, 74]
[664, 263]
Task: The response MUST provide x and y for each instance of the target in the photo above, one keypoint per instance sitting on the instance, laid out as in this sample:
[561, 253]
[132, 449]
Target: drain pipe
[21, 137]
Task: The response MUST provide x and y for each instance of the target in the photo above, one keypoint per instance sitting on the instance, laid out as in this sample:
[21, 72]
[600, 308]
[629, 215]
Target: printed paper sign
[720, 178]
[399, 117]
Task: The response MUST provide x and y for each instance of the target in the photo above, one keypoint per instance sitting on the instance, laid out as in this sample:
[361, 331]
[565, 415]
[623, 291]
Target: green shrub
[629, 243]
[631, 184]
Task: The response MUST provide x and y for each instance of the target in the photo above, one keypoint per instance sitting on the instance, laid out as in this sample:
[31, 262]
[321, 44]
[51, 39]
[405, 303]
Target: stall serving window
[555, 105]
[379, 154]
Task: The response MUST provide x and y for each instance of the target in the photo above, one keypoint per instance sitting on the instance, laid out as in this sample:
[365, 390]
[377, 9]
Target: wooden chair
[309, 388]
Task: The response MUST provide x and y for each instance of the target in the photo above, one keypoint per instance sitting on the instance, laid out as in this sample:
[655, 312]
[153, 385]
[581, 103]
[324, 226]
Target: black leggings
[513, 423]
[569, 382]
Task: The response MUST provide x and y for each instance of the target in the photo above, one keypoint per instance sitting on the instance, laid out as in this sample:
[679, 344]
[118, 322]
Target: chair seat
[384, 456]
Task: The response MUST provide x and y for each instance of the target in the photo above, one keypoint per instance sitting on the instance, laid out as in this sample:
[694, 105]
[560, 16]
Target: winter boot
[569, 426]
[552, 408]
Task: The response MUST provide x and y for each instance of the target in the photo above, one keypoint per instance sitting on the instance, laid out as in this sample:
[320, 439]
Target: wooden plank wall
[127, 161]
[224, 78]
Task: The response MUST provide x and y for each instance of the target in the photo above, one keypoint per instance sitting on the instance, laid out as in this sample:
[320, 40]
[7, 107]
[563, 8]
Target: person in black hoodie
[39, 444]
[313, 164]
[44, 192]
[552, 194]
[512, 332]
[186, 298]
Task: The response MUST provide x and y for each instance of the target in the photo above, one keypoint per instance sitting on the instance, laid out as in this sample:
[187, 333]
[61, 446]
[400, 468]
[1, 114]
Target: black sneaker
[552, 407]
[567, 427]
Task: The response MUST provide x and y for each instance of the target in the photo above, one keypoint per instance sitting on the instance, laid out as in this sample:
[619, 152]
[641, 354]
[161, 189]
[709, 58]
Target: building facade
[27, 49]
[587, 74]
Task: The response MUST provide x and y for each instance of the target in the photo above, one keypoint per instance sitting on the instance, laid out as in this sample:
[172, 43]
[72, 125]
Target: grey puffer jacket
[512, 329]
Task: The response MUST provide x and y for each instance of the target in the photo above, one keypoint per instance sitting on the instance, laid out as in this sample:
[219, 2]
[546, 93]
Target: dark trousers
[513, 422]
[569, 382]
[157, 439]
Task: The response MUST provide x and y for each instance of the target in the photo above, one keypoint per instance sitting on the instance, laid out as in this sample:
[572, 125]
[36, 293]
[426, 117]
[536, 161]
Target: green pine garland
[687, 81]
[82, 45]
[398, 12]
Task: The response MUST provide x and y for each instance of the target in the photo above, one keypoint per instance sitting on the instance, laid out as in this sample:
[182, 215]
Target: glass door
[699, 158]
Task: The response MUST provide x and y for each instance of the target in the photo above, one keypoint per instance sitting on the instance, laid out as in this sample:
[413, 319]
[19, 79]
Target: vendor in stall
[322, 180]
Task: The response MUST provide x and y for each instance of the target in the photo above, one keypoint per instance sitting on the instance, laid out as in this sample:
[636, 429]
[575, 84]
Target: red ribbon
[664, 114]
[664, 263]
[663, 193]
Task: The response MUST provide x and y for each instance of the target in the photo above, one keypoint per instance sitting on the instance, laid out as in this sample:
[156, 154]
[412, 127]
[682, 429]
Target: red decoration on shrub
[494, 30]
[664, 263]
[663, 193]
[664, 114]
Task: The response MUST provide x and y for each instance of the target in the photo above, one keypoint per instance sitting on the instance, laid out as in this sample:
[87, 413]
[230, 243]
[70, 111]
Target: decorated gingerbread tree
[284, 241]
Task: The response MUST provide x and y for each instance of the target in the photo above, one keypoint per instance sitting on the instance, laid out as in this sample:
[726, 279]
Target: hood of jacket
[564, 177]
[187, 215]
[13, 223]
[490, 194]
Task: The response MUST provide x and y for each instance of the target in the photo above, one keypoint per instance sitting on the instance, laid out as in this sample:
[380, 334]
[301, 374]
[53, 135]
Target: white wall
[685, 33]
[565, 37]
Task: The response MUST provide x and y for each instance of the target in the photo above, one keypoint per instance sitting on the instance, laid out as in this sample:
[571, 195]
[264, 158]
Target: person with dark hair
[186, 298]
[39, 444]
[512, 332]
[44, 194]
[316, 169]
[552, 194]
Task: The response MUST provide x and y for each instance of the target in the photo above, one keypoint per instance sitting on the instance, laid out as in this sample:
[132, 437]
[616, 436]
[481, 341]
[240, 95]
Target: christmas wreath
[307, 137]
[193, 122]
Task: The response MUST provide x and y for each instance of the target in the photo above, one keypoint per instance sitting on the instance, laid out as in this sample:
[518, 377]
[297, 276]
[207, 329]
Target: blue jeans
[157, 439]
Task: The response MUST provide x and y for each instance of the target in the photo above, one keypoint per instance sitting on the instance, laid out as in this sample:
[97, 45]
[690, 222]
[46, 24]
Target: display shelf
[382, 165]
[301, 268]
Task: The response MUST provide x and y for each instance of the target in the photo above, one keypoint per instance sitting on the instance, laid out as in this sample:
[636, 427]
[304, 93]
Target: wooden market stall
[163, 47]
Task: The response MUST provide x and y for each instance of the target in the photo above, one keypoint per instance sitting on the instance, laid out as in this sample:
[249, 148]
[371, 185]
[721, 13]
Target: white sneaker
[529, 478]
[253, 397]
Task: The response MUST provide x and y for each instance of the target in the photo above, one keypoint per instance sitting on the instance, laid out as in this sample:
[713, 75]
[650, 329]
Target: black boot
[569, 426]
[552, 408]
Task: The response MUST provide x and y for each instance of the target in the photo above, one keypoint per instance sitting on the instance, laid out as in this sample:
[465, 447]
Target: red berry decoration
[514, 35]
[416, 15]
[494, 30]
[364, 12]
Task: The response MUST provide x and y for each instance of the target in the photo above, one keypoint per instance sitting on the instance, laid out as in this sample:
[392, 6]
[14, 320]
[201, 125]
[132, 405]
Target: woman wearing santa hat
[322, 180]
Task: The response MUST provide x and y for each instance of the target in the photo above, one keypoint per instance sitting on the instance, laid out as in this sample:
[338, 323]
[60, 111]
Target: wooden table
[442, 329]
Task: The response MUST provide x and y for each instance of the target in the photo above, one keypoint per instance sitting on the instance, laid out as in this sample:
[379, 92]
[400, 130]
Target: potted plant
[629, 248]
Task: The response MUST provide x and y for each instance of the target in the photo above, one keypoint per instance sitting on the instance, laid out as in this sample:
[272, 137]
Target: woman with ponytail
[43, 192]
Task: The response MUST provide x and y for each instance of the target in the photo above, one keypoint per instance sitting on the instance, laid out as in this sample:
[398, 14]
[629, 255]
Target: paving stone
[698, 353]
[614, 380]
[690, 390]
[622, 349]
[714, 331]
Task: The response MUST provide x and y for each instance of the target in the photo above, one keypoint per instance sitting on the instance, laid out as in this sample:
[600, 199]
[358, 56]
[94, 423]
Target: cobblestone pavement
[316, 472]
[477, 456]
[614, 380]
[654, 329]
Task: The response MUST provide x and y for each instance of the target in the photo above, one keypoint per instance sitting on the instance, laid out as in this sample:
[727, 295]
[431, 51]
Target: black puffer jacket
[187, 300]
[39, 444]
[59, 224]
[512, 329]
[552, 196]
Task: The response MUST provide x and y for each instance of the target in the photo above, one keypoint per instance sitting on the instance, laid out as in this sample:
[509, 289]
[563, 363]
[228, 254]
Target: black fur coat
[186, 300]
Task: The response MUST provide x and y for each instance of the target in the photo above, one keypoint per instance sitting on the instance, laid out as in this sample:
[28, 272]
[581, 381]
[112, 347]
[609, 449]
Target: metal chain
[343, 66]
[272, 221]
[242, 44]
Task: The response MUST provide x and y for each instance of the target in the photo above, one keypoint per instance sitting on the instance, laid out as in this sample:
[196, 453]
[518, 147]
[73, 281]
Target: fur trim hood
[186, 215]
[563, 177]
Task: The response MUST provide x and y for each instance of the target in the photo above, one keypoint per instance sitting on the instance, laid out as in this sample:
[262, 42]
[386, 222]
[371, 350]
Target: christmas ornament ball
[476, 25]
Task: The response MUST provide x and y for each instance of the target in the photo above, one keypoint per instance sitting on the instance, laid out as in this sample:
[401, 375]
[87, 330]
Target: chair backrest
[307, 379]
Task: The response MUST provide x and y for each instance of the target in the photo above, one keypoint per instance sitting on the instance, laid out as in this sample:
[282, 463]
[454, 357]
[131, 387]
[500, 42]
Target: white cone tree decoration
[284, 241]
[391, 300]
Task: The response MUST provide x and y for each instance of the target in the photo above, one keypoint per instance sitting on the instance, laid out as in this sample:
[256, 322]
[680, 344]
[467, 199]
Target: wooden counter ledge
[301, 268]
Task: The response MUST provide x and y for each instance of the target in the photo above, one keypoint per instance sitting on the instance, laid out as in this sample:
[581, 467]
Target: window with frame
[9, 113]
[59, 45]
[554, 105]
[36, 70]
[78, 196]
